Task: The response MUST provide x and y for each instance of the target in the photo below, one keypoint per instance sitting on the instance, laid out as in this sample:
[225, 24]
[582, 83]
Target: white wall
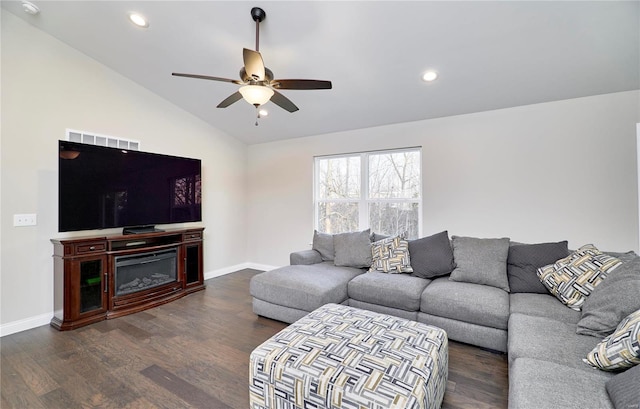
[47, 87]
[561, 170]
[552, 171]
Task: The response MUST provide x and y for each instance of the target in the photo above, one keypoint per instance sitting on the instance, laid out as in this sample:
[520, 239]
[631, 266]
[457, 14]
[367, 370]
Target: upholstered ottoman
[344, 357]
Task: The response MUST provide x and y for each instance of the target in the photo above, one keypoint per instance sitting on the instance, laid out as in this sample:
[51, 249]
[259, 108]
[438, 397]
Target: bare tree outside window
[394, 192]
[380, 190]
[338, 191]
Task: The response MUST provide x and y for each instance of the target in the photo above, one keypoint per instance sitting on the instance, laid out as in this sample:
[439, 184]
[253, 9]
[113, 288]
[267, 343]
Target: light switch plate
[24, 219]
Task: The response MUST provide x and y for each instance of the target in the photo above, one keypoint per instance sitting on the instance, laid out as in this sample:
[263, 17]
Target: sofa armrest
[305, 257]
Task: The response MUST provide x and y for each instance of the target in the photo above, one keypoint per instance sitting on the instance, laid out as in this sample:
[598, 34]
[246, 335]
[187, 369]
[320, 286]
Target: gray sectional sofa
[536, 330]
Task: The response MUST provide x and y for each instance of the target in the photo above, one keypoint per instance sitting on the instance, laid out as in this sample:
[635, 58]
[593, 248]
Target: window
[380, 190]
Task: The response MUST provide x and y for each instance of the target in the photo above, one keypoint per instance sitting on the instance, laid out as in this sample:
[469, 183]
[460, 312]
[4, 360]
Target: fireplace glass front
[144, 271]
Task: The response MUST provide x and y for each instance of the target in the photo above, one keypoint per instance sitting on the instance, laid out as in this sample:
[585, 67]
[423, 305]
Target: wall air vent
[92, 138]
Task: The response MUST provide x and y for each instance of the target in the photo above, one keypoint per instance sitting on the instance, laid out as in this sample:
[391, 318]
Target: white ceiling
[490, 55]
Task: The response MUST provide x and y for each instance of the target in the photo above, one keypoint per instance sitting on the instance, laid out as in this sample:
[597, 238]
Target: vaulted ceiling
[489, 55]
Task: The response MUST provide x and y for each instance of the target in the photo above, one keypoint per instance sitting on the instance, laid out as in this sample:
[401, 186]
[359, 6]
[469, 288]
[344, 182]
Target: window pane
[394, 218]
[339, 178]
[339, 217]
[394, 175]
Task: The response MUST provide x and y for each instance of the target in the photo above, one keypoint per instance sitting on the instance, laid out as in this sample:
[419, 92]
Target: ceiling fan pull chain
[257, 114]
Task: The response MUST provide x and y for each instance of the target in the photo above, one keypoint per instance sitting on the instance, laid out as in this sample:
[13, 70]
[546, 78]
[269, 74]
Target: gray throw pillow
[525, 259]
[323, 244]
[377, 237]
[431, 256]
[352, 249]
[481, 261]
[613, 299]
[624, 389]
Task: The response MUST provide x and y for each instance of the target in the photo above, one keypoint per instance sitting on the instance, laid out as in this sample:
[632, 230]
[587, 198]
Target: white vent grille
[102, 140]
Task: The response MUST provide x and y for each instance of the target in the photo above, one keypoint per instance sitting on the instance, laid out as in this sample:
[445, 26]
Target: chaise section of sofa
[289, 293]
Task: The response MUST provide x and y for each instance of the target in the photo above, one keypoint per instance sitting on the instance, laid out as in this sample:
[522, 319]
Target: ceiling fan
[258, 84]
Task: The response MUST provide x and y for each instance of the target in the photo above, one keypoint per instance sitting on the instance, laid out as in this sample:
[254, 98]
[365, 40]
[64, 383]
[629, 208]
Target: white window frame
[364, 200]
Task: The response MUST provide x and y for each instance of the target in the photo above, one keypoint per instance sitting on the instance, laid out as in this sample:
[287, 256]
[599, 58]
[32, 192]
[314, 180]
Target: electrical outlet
[24, 219]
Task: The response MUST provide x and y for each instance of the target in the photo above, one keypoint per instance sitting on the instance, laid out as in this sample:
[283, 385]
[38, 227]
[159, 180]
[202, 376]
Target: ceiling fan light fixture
[256, 94]
[138, 20]
[30, 8]
[429, 76]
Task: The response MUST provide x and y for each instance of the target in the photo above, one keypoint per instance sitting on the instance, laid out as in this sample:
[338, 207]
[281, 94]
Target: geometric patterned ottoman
[344, 357]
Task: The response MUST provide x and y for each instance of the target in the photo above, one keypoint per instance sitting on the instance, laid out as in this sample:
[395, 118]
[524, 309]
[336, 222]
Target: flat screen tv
[101, 188]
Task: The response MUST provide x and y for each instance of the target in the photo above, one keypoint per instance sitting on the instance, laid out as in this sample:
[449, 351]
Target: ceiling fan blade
[283, 102]
[235, 97]
[206, 77]
[301, 84]
[253, 64]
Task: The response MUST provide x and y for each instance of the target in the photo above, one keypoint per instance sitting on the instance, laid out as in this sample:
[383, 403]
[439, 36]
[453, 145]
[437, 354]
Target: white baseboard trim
[232, 269]
[44, 319]
[25, 324]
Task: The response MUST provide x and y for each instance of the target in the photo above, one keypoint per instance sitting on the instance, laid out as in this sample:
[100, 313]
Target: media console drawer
[90, 247]
[194, 235]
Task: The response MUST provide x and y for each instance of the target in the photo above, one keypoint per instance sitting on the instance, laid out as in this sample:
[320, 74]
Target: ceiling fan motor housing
[258, 15]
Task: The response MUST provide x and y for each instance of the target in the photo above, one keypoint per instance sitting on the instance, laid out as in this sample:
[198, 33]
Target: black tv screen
[101, 187]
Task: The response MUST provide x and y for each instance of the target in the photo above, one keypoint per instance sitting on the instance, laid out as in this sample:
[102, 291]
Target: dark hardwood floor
[191, 353]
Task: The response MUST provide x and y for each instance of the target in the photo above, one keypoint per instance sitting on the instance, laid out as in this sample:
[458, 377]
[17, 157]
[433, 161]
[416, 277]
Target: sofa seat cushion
[467, 302]
[399, 291]
[535, 384]
[542, 305]
[304, 287]
[548, 340]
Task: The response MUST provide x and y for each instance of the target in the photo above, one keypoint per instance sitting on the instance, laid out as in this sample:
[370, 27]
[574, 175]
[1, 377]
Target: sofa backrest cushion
[481, 261]
[611, 301]
[352, 249]
[323, 244]
[624, 389]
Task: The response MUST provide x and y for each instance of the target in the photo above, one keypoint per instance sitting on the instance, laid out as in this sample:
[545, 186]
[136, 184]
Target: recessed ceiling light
[429, 76]
[138, 20]
[30, 8]
[263, 112]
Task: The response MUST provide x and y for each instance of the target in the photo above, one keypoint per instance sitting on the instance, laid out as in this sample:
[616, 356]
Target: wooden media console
[102, 277]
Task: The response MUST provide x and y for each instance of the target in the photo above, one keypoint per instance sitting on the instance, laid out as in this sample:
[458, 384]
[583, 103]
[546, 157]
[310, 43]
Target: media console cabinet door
[84, 298]
[91, 285]
[193, 274]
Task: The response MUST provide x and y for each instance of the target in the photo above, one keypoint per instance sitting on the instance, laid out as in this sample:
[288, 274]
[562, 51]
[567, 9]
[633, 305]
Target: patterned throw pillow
[391, 255]
[619, 350]
[574, 277]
